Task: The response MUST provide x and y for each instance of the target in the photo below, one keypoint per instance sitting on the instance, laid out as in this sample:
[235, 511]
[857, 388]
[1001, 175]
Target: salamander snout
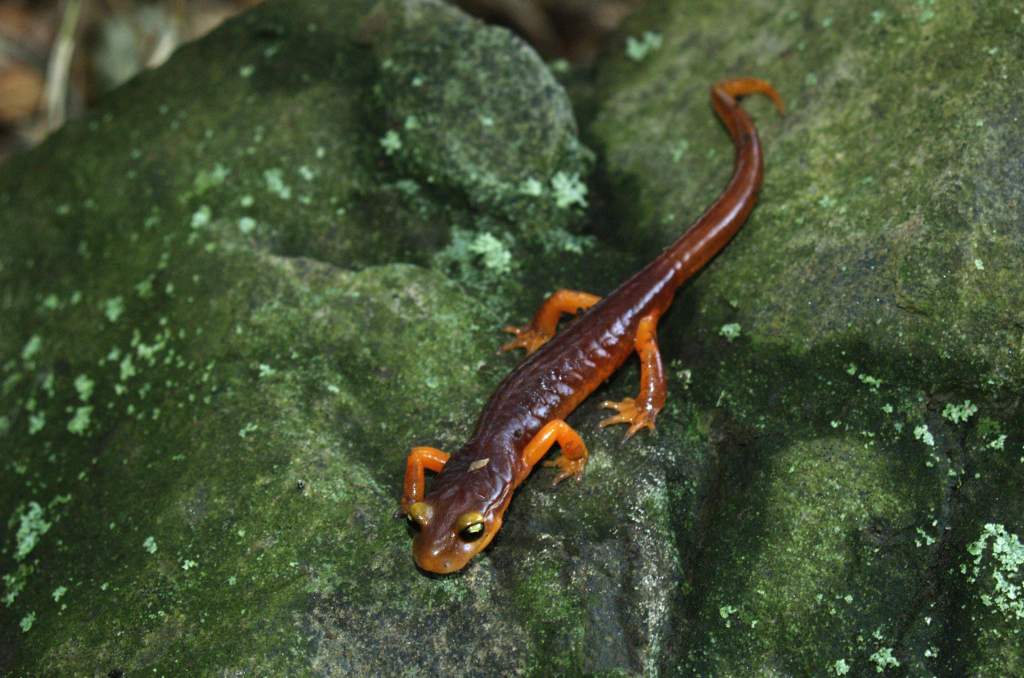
[446, 541]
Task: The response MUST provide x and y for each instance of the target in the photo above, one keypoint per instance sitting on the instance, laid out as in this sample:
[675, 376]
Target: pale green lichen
[999, 443]
[922, 433]
[113, 308]
[14, 583]
[958, 414]
[638, 49]
[559, 240]
[126, 368]
[31, 526]
[31, 348]
[207, 179]
[246, 225]
[145, 288]
[840, 667]
[36, 422]
[391, 142]
[201, 217]
[150, 545]
[731, 331]
[873, 382]
[274, 179]
[531, 187]
[79, 423]
[569, 190]
[1007, 559]
[494, 254]
[679, 150]
[884, 659]
[84, 386]
[27, 621]
[58, 593]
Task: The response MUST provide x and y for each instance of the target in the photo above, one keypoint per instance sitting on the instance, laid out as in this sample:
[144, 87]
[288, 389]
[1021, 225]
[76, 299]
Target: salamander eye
[418, 514]
[470, 526]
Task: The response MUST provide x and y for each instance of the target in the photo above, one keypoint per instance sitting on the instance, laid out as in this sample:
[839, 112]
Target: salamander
[465, 506]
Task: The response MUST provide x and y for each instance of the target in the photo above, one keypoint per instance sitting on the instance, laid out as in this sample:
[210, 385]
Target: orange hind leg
[640, 412]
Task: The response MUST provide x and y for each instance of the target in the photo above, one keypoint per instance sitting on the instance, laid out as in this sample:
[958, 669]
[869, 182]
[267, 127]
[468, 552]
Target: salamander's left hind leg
[545, 321]
[640, 412]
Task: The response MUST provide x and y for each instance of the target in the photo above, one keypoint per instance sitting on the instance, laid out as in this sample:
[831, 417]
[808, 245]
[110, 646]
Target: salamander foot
[637, 416]
[527, 337]
[568, 468]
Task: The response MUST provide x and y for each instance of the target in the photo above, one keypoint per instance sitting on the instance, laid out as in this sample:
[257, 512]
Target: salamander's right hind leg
[545, 321]
[640, 412]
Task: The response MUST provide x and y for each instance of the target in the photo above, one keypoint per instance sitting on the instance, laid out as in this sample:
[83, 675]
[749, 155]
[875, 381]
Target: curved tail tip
[744, 86]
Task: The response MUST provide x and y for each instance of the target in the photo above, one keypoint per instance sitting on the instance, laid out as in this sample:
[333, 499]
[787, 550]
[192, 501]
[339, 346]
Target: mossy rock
[231, 303]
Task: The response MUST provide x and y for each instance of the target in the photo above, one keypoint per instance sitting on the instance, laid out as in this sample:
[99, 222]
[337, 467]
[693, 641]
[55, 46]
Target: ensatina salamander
[466, 504]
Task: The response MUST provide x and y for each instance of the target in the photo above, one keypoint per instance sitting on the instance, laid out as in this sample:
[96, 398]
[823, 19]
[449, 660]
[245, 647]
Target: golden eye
[418, 514]
[470, 526]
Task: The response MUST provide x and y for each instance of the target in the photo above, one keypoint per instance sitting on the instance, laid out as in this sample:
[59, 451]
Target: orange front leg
[420, 458]
[573, 458]
[545, 321]
[640, 413]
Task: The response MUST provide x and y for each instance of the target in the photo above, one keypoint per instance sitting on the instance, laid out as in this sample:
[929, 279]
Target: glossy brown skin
[553, 381]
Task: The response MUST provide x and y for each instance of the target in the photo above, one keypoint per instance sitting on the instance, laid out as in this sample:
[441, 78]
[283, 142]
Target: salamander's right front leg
[573, 458]
[545, 321]
[420, 458]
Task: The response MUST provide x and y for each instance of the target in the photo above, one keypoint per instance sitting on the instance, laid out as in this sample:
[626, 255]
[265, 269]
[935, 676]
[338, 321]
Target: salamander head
[450, 533]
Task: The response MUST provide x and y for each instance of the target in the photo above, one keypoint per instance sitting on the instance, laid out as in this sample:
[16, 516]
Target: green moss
[484, 132]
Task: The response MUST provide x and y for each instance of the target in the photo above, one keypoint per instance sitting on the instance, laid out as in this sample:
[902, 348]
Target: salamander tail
[741, 87]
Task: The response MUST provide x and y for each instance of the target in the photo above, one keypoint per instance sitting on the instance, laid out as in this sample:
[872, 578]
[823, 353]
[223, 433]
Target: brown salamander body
[526, 415]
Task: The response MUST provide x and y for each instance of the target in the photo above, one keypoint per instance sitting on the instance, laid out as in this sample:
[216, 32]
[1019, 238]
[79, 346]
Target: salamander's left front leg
[641, 412]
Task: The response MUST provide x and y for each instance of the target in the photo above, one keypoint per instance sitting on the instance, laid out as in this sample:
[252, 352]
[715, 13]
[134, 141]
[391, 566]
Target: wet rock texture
[237, 293]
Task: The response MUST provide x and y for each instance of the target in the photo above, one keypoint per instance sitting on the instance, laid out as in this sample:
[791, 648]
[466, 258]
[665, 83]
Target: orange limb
[419, 460]
[573, 458]
[545, 321]
[640, 412]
